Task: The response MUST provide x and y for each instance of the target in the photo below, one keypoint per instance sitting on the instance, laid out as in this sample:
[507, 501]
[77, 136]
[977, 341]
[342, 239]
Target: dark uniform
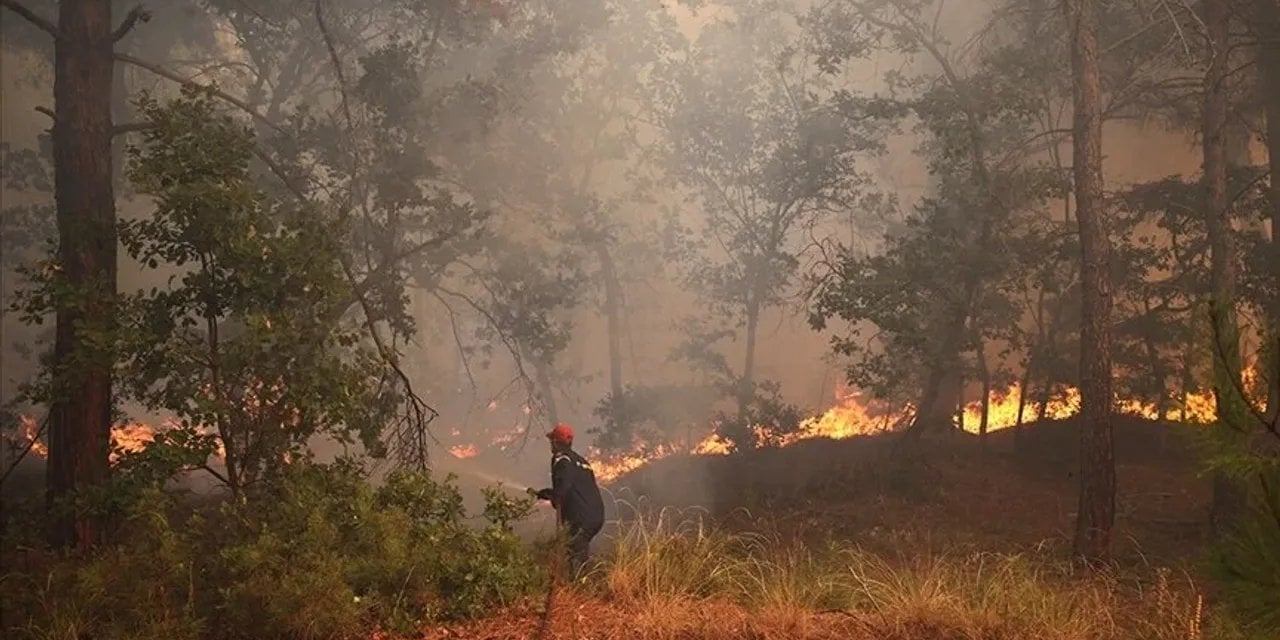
[576, 497]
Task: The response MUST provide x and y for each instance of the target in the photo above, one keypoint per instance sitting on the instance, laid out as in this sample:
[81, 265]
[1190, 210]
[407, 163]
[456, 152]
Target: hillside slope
[1011, 491]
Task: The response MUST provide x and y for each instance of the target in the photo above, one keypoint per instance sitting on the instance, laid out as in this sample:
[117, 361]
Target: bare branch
[135, 15]
[30, 16]
[337, 64]
[35, 437]
[131, 127]
[166, 73]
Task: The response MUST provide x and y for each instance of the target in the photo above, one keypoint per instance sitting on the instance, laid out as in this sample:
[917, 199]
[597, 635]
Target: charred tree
[1096, 513]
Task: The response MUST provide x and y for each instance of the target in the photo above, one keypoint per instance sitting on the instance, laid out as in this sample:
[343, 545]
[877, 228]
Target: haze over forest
[715, 237]
[522, 186]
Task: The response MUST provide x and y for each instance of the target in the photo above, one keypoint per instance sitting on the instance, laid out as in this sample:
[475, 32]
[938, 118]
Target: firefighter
[574, 495]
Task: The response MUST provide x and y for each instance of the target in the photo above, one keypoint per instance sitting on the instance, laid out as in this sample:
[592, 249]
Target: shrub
[1247, 565]
[143, 587]
[315, 553]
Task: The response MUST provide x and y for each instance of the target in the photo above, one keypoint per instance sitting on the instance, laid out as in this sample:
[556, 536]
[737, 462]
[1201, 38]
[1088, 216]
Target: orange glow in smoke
[464, 451]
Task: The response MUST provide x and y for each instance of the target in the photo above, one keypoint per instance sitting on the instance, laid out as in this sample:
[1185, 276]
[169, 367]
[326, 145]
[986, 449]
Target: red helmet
[562, 433]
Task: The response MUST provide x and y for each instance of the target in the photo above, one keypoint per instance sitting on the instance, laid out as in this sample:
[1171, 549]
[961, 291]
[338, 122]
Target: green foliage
[315, 553]
[142, 587]
[654, 415]
[1248, 567]
[764, 421]
[1244, 446]
[246, 340]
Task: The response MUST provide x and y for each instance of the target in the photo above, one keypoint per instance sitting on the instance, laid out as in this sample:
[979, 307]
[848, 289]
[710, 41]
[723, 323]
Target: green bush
[317, 553]
[143, 587]
[1247, 566]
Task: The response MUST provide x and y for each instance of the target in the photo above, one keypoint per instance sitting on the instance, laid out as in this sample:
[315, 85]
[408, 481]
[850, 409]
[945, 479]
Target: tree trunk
[1096, 513]
[933, 412]
[1227, 496]
[747, 384]
[1269, 69]
[80, 421]
[613, 317]
[984, 372]
[1158, 374]
[1032, 355]
[1046, 394]
[542, 373]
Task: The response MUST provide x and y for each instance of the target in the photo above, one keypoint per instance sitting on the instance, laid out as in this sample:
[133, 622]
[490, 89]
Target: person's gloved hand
[544, 494]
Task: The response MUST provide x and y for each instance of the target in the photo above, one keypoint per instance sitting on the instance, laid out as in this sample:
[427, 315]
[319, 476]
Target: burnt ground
[1015, 489]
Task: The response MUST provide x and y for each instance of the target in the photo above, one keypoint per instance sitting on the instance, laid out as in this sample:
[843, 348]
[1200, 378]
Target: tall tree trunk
[1269, 68]
[984, 373]
[1029, 370]
[542, 378]
[1096, 513]
[80, 421]
[936, 410]
[747, 384]
[1046, 394]
[1158, 374]
[1227, 496]
[613, 317]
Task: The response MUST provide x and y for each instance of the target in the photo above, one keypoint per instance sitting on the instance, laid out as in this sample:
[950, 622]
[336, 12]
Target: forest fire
[130, 438]
[854, 416]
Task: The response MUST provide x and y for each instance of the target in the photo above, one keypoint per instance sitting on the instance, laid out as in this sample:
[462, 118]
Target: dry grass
[925, 566]
[670, 575]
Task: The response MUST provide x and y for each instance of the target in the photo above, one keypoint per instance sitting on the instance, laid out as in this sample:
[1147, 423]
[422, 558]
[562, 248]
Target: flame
[30, 431]
[464, 451]
[853, 415]
[130, 438]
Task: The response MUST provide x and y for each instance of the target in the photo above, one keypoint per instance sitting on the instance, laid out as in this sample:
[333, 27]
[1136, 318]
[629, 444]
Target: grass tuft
[669, 570]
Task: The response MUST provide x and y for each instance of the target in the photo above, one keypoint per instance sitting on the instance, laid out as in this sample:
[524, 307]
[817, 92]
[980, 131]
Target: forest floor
[956, 538]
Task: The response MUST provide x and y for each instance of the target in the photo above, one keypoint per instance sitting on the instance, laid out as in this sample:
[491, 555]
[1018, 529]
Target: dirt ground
[1011, 491]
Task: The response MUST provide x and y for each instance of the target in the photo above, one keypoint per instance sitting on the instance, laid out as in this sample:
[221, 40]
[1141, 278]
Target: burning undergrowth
[855, 414]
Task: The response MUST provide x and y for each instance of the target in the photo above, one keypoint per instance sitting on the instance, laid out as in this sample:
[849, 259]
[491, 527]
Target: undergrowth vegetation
[322, 553]
[319, 553]
[669, 565]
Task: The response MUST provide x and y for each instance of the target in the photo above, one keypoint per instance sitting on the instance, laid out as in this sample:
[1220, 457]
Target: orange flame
[29, 436]
[464, 451]
[854, 416]
[130, 438]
